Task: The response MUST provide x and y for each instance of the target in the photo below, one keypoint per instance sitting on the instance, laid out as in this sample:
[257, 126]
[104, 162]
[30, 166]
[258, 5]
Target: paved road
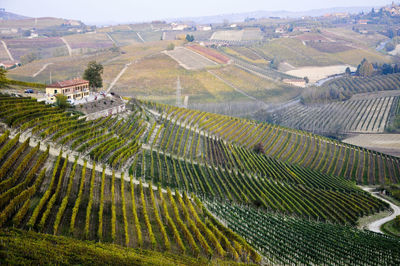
[376, 226]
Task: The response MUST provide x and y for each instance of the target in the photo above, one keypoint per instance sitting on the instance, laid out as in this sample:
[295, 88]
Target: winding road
[376, 226]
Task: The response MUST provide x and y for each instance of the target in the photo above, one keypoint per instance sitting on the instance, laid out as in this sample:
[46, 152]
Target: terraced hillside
[366, 84]
[298, 147]
[63, 196]
[307, 242]
[93, 180]
[368, 113]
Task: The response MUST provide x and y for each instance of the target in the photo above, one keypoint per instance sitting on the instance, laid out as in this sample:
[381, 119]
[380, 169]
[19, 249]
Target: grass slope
[19, 247]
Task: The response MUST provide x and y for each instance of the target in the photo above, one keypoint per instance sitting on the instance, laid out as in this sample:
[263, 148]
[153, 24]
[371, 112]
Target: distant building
[295, 82]
[9, 64]
[203, 28]
[176, 26]
[73, 23]
[74, 89]
[363, 21]
[302, 29]
[280, 30]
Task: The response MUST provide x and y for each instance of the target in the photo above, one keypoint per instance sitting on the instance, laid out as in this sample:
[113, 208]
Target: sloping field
[321, 154]
[366, 84]
[210, 53]
[62, 68]
[155, 78]
[30, 22]
[296, 53]
[238, 35]
[99, 187]
[367, 114]
[123, 38]
[387, 143]
[43, 47]
[189, 59]
[261, 88]
[87, 42]
[227, 35]
[317, 73]
[347, 35]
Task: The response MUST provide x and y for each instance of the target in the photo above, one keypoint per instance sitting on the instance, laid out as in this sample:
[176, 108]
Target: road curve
[376, 226]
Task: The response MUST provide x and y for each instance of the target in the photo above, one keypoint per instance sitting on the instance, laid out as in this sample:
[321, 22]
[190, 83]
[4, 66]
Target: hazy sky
[145, 10]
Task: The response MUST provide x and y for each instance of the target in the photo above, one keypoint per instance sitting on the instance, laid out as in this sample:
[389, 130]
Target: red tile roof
[67, 83]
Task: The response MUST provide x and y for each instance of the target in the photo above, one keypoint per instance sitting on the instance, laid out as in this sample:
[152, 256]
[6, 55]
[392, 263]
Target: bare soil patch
[315, 73]
[386, 143]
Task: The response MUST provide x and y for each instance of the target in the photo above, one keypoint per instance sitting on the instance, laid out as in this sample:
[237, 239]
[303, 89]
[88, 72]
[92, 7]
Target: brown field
[155, 78]
[387, 143]
[88, 41]
[317, 73]
[298, 54]
[312, 37]
[329, 47]
[260, 88]
[29, 23]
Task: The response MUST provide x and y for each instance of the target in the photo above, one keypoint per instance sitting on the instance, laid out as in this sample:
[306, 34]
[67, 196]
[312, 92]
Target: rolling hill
[176, 181]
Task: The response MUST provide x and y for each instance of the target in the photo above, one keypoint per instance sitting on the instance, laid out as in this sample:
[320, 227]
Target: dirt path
[68, 47]
[140, 37]
[236, 89]
[111, 39]
[7, 51]
[376, 226]
[40, 71]
[118, 76]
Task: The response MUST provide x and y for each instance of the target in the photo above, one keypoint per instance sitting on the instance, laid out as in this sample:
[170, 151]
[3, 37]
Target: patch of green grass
[18, 247]
[389, 228]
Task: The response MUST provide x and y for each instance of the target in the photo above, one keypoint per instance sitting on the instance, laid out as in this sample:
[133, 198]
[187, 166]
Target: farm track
[7, 51]
[40, 70]
[111, 39]
[118, 76]
[112, 84]
[140, 37]
[376, 225]
[67, 45]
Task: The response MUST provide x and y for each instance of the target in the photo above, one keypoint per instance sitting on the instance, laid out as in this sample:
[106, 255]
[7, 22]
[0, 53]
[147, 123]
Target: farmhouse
[74, 89]
[9, 64]
[363, 21]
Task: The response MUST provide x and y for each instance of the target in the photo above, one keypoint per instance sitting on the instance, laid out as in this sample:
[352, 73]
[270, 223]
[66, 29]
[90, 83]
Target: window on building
[55, 91]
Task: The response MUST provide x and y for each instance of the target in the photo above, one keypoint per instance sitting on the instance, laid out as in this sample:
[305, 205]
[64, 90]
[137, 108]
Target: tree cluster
[365, 69]
[189, 38]
[93, 74]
